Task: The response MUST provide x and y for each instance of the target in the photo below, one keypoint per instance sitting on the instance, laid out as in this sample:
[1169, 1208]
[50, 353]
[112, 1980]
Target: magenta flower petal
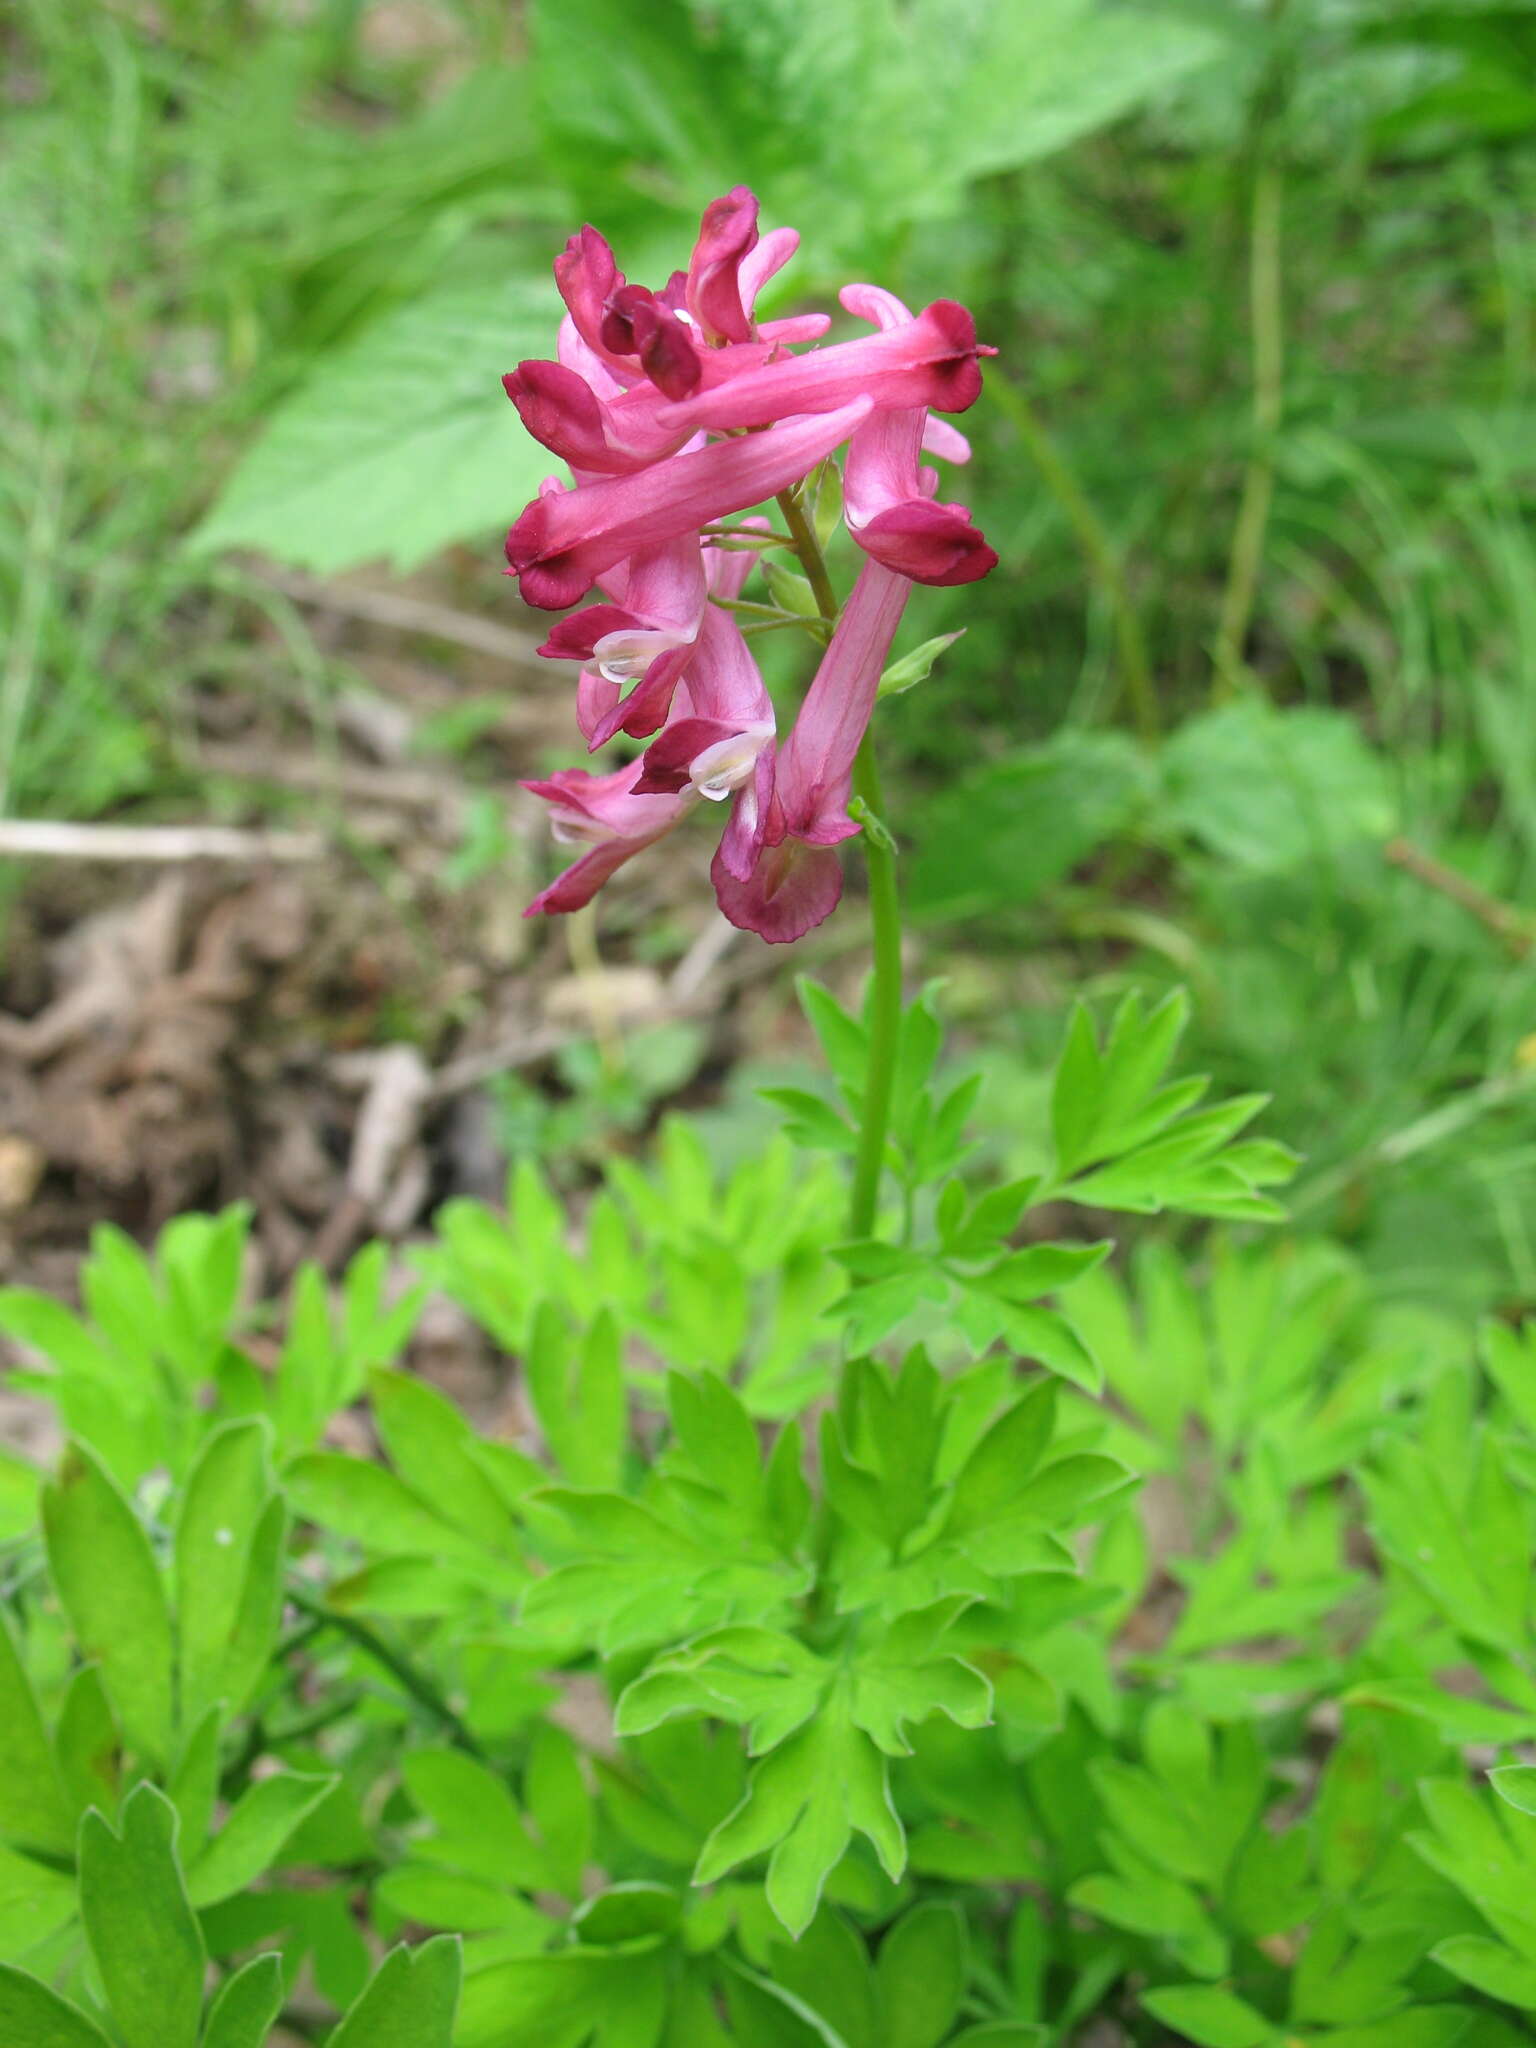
[637, 323]
[566, 539]
[791, 889]
[587, 276]
[763, 261]
[930, 543]
[816, 763]
[929, 361]
[603, 813]
[560, 409]
[727, 235]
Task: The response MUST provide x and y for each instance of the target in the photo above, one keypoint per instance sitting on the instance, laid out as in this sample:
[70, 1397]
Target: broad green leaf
[143, 1933]
[828, 1970]
[33, 1811]
[608, 1998]
[994, 840]
[479, 1829]
[400, 441]
[247, 2006]
[32, 2016]
[1269, 789]
[227, 1492]
[921, 1974]
[1516, 1784]
[1209, 2016]
[434, 1449]
[463, 1905]
[110, 1586]
[260, 1612]
[375, 1508]
[410, 2002]
[1489, 1966]
[559, 1806]
[88, 1742]
[35, 1901]
[193, 1784]
[253, 1835]
[801, 1808]
[20, 1483]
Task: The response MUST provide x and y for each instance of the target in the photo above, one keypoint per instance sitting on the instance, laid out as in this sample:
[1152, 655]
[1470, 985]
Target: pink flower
[927, 361]
[888, 497]
[603, 813]
[727, 235]
[796, 878]
[665, 337]
[566, 538]
[718, 744]
[648, 639]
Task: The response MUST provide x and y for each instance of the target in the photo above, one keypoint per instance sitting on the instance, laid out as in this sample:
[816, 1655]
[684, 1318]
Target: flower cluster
[678, 410]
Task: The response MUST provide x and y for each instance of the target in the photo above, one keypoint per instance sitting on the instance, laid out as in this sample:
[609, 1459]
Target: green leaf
[193, 1784]
[88, 1742]
[828, 1971]
[355, 1498]
[142, 1931]
[398, 442]
[35, 1902]
[1270, 789]
[252, 1838]
[32, 2016]
[916, 667]
[479, 1829]
[921, 1973]
[1205, 2014]
[606, 1997]
[791, 590]
[576, 1385]
[247, 2006]
[227, 1493]
[801, 1808]
[435, 1450]
[1490, 1967]
[410, 2003]
[33, 1811]
[260, 1612]
[994, 840]
[109, 1584]
[1516, 1784]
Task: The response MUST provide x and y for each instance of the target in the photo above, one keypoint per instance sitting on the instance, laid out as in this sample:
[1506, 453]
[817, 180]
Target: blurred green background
[1250, 705]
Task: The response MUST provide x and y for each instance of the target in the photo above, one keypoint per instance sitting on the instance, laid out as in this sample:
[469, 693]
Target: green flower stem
[885, 1017]
[884, 910]
[411, 1680]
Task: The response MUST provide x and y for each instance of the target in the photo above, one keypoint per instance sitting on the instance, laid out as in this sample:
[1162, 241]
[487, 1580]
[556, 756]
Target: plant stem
[884, 910]
[1098, 549]
[396, 1663]
[885, 1003]
[1268, 403]
[802, 535]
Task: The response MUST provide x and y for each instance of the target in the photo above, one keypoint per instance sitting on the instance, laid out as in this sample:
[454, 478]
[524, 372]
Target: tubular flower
[710, 749]
[889, 497]
[677, 409]
[796, 879]
[656, 644]
[566, 539]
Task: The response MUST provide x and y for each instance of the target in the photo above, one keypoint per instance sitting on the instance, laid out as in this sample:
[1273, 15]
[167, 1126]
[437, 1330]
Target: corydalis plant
[678, 410]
